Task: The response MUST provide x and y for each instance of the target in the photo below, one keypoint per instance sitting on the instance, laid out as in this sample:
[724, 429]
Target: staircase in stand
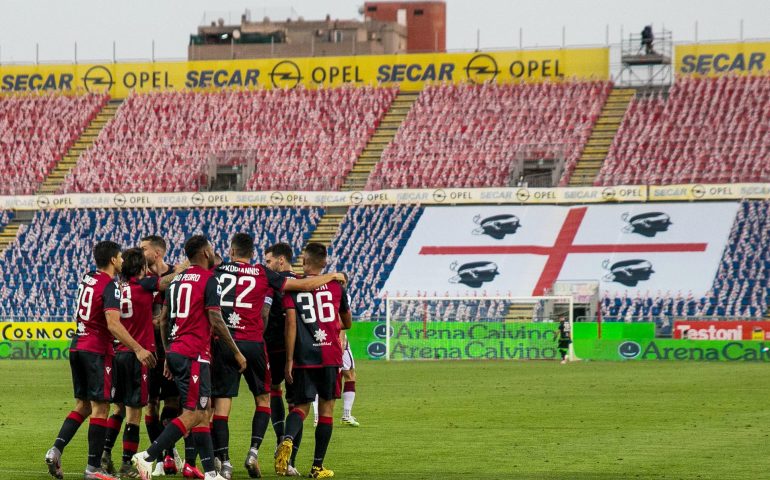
[602, 135]
[55, 179]
[359, 174]
[325, 231]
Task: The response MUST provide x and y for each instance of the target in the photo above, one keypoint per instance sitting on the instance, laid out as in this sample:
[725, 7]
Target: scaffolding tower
[646, 64]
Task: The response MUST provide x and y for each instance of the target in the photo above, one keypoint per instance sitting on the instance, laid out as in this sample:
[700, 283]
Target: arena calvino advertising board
[673, 349]
[409, 71]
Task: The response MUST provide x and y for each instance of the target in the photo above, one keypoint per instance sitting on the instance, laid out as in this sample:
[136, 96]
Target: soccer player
[565, 339]
[129, 378]
[192, 310]
[160, 387]
[244, 290]
[313, 358]
[278, 257]
[91, 350]
[131, 385]
[348, 382]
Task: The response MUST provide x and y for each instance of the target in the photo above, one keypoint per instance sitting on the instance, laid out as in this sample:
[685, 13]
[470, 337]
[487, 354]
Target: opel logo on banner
[356, 198]
[120, 200]
[197, 198]
[285, 74]
[43, 202]
[98, 79]
[439, 195]
[276, 197]
[481, 68]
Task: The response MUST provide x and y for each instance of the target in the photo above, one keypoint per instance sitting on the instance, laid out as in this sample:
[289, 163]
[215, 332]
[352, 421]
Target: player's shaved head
[156, 241]
[134, 263]
[315, 255]
[105, 252]
[242, 245]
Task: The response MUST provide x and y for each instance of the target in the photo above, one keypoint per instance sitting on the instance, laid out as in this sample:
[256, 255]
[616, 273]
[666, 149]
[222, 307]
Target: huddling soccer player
[244, 289]
[91, 359]
[278, 257]
[191, 312]
[162, 388]
[314, 321]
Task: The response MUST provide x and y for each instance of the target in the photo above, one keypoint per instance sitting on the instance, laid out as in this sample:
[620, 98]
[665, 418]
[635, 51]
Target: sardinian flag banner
[522, 250]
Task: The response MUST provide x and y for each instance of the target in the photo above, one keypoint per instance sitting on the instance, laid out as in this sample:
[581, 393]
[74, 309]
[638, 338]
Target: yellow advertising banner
[714, 59]
[16, 331]
[411, 72]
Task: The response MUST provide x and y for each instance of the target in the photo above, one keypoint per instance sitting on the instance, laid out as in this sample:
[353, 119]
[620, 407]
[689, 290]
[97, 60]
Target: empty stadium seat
[41, 270]
[470, 135]
[36, 130]
[366, 247]
[298, 139]
[707, 130]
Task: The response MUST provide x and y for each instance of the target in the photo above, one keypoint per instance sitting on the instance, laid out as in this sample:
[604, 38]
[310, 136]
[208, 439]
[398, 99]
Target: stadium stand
[708, 130]
[41, 270]
[36, 130]
[312, 137]
[740, 288]
[450, 310]
[469, 135]
[367, 245]
[5, 218]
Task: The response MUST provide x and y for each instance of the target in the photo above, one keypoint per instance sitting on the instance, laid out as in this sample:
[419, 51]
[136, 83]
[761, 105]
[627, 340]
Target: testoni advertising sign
[672, 349]
[411, 71]
[721, 330]
[714, 59]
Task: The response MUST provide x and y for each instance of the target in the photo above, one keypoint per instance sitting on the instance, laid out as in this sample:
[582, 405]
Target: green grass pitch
[476, 419]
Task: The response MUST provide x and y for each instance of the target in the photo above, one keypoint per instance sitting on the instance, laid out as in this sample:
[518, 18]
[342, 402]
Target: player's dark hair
[133, 263]
[315, 253]
[155, 241]
[194, 245]
[242, 245]
[104, 252]
[281, 250]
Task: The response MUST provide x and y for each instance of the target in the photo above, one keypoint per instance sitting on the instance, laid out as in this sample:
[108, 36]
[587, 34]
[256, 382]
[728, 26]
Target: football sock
[113, 430]
[277, 413]
[130, 441]
[166, 415]
[294, 423]
[190, 451]
[295, 446]
[97, 431]
[68, 430]
[154, 428]
[205, 446]
[220, 436]
[348, 397]
[170, 435]
[323, 433]
[259, 425]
